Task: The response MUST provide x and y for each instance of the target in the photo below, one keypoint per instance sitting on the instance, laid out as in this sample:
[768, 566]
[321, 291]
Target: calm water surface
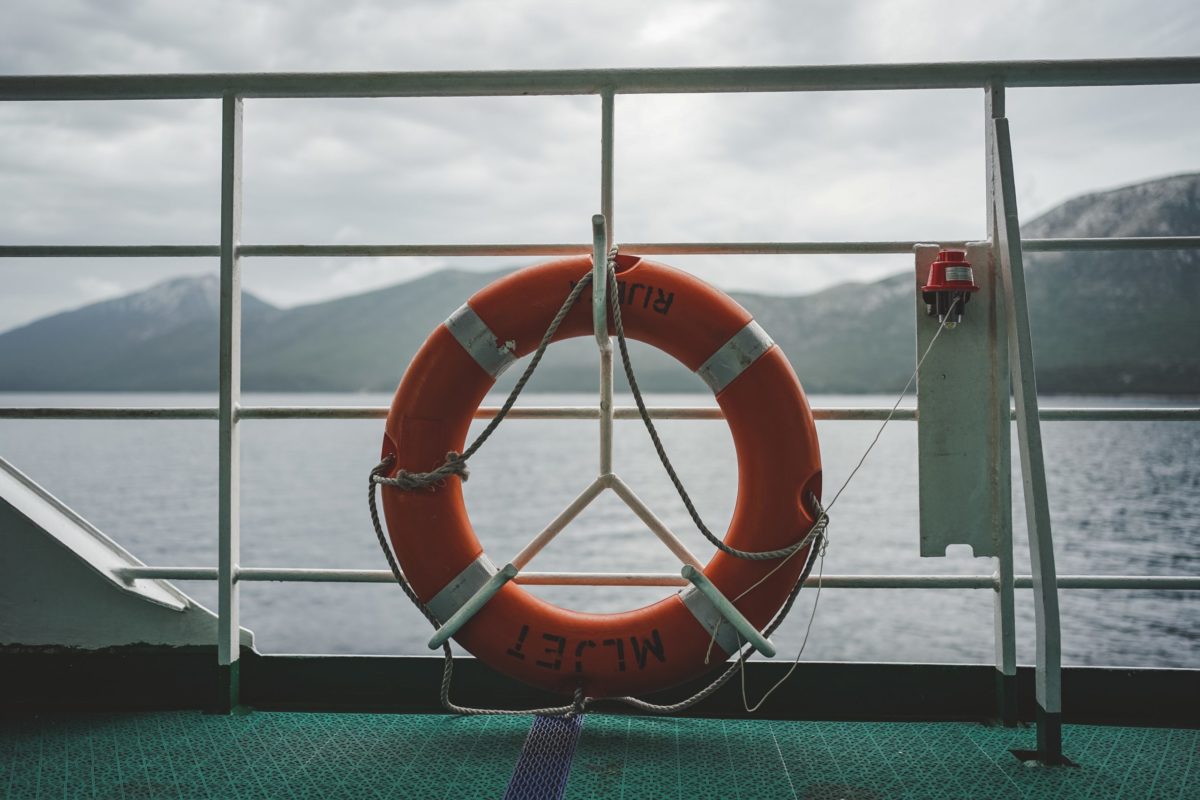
[1125, 499]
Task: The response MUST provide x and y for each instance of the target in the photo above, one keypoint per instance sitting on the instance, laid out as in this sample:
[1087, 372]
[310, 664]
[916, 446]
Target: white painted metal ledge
[308, 575]
[896, 247]
[687, 80]
[827, 413]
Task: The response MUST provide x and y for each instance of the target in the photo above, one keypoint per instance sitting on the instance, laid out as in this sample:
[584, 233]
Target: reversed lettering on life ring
[659, 303]
[654, 646]
[554, 647]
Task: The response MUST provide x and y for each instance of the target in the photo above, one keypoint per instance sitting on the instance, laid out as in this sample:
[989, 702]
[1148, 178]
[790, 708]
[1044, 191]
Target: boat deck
[188, 754]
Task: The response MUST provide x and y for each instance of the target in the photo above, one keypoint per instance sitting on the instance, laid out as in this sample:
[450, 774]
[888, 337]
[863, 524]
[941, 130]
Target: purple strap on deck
[545, 764]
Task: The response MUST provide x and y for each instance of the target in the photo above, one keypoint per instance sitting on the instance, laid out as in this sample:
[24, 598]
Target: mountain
[1111, 322]
[162, 338]
[1102, 323]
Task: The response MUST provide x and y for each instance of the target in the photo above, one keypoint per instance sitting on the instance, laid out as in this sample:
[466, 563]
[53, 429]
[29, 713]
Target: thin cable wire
[895, 405]
[664, 459]
[742, 655]
[867, 452]
[821, 571]
[804, 643]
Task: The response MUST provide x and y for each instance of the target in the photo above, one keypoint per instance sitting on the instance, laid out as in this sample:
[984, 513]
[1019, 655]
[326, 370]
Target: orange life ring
[659, 645]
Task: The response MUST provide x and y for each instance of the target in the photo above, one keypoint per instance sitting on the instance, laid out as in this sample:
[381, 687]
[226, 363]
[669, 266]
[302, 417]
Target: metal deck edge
[142, 677]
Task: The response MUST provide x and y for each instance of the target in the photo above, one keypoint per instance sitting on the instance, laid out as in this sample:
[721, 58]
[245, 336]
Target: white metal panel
[64, 583]
[827, 581]
[963, 417]
[22, 498]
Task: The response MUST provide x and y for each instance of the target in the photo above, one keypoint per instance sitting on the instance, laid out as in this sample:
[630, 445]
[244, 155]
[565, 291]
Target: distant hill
[163, 338]
[1104, 323]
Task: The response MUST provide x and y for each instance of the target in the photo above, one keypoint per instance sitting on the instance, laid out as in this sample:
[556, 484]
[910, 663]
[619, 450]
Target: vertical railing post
[606, 162]
[1003, 601]
[602, 228]
[228, 486]
[1033, 467]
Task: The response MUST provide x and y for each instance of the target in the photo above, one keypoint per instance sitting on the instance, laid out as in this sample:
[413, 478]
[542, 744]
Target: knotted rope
[816, 539]
[456, 463]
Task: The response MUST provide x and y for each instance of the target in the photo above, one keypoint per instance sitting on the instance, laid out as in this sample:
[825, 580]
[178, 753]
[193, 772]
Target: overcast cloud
[722, 167]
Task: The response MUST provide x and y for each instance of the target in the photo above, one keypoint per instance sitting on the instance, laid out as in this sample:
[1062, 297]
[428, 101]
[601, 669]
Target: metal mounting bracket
[729, 611]
[472, 606]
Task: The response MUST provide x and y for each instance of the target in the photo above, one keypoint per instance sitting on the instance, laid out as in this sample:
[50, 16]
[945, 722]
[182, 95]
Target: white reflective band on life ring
[457, 592]
[478, 340]
[732, 358]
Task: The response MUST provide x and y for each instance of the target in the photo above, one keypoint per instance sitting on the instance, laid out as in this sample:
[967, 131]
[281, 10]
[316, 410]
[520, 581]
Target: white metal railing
[844, 413]
[641, 248]
[692, 80]
[309, 575]
[990, 77]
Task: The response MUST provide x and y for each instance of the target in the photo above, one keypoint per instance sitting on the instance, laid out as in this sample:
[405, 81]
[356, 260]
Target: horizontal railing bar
[315, 575]
[484, 412]
[384, 250]
[381, 412]
[573, 412]
[172, 573]
[1119, 414]
[100, 412]
[852, 77]
[110, 251]
[904, 247]
[902, 581]
[488, 412]
[319, 412]
[640, 248]
[601, 579]
[776, 248]
[1102, 243]
[291, 574]
[1117, 582]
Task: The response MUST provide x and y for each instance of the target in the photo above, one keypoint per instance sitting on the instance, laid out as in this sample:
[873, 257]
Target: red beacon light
[951, 284]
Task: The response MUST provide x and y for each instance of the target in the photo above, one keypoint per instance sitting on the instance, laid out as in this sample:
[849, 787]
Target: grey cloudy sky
[756, 167]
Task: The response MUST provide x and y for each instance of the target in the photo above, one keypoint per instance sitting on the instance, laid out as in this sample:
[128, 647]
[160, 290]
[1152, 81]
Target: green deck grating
[269, 754]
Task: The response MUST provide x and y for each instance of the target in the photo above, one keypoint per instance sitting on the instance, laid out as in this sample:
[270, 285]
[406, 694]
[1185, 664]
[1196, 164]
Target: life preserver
[659, 645]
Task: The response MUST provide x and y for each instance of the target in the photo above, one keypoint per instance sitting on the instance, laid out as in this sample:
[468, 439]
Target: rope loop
[785, 553]
[579, 704]
[456, 464]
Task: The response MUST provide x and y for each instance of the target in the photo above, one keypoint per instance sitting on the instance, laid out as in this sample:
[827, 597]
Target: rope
[817, 536]
[576, 707]
[820, 545]
[744, 652]
[716, 541]
[823, 519]
[812, 616]
[455, 464]
[580, 703]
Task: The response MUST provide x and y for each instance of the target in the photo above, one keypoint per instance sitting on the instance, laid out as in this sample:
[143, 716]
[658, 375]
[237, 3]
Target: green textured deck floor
[267, 754]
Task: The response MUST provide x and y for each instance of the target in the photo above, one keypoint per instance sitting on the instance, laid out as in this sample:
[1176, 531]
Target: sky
[785, 167]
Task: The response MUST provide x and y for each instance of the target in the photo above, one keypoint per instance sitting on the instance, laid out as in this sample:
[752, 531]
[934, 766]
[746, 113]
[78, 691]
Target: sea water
[1124, 496]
